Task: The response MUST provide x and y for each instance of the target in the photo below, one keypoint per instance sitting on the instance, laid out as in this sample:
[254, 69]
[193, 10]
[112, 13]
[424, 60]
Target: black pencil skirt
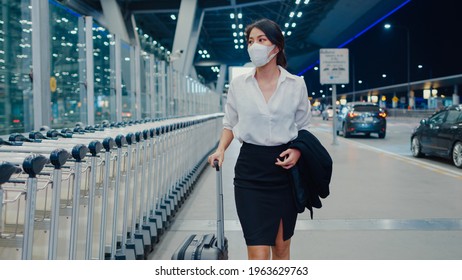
[263, 195]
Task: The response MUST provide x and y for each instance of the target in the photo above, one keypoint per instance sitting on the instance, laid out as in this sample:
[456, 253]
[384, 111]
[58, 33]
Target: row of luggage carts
[103, 192]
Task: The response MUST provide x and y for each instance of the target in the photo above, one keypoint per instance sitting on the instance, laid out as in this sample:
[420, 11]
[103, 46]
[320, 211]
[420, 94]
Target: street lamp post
[388, 26]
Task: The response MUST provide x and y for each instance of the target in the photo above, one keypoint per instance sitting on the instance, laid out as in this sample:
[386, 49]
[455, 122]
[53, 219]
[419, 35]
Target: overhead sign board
[334, 65]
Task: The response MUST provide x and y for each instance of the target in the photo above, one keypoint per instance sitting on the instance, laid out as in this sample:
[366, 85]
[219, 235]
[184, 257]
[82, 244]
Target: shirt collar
[284, 74]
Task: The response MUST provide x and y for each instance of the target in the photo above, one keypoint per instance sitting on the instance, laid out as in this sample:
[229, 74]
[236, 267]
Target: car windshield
[367, 108]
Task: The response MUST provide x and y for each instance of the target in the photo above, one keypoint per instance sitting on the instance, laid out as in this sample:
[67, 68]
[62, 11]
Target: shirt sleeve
[231, 118]
[303, 113]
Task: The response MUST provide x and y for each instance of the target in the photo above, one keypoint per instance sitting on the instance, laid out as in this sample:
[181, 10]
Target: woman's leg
[260, 252]
[281, 251]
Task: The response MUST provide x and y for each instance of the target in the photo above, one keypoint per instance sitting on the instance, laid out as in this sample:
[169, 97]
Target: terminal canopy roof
[308, 25]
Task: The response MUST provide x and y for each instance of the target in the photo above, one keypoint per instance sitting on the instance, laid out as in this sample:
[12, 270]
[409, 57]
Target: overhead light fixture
[173, 17]
[231, 15]
[306, 2]
[291, 14]
[233, 26]
[299, 14]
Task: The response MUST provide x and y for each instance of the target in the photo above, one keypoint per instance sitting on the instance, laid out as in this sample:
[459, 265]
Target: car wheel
[457, 154]
[416, 148]
[382, 135]
[346, 134]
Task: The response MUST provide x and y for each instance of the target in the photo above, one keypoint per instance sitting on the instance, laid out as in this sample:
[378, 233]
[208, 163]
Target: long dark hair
[274, 33]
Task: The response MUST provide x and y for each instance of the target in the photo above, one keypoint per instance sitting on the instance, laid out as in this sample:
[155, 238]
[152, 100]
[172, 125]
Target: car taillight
[382, 114]
[352, 114]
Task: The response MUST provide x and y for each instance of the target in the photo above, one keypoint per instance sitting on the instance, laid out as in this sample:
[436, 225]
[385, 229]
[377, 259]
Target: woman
[265, 110]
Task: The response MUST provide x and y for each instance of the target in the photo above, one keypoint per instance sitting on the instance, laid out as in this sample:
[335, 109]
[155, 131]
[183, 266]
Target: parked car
[440, 135]
[361, 117]
[327, 113]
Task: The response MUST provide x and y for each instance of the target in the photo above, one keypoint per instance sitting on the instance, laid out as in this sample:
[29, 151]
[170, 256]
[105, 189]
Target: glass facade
[104, 87]
[15, 66]
[67, 77]
[138, 81]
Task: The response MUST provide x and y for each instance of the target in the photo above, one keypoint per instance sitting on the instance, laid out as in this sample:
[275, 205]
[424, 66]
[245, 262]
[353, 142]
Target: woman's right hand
[218, 155]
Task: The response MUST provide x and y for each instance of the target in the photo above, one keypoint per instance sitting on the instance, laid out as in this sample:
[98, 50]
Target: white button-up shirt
[277, 122]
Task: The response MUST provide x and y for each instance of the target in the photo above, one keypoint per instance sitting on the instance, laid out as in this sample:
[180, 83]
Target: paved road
[396, 142]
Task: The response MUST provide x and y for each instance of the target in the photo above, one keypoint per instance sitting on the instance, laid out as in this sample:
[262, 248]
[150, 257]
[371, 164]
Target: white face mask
[259, 54]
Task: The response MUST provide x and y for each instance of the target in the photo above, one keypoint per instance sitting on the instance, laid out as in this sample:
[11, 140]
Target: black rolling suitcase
[208, 246]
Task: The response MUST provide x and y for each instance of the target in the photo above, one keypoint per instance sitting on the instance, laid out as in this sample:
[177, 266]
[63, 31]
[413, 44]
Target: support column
[152, 91]
[189, 58]
[137, 77]
[41, 63]
[114, 19]
[118, 77]
[221, 79]
[82, 70]
[186, 36]
[455, 95]
[90, 70]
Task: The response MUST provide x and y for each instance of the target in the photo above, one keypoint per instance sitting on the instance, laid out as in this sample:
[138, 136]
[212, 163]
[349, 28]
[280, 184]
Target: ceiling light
[297, 2]
[241, 26]
[291, 14]
[236, 41]
[231, 15]
[306, 1]
[234, 34]
[299, 14]
[236, 47]
[289, 33]
[294, 24]
[239, 15]
[287, 24]
[173, 17]
[233, 26]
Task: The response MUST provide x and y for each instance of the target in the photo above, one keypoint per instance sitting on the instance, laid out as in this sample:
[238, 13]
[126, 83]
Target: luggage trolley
[59, 158]
[147, 224]
[80, 183]
[32, 165]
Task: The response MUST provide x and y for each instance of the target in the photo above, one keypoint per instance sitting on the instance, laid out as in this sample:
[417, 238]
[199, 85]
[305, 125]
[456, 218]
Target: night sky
[435, 29]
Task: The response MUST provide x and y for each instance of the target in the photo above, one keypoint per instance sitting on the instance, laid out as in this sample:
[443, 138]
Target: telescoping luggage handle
[220, 212]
